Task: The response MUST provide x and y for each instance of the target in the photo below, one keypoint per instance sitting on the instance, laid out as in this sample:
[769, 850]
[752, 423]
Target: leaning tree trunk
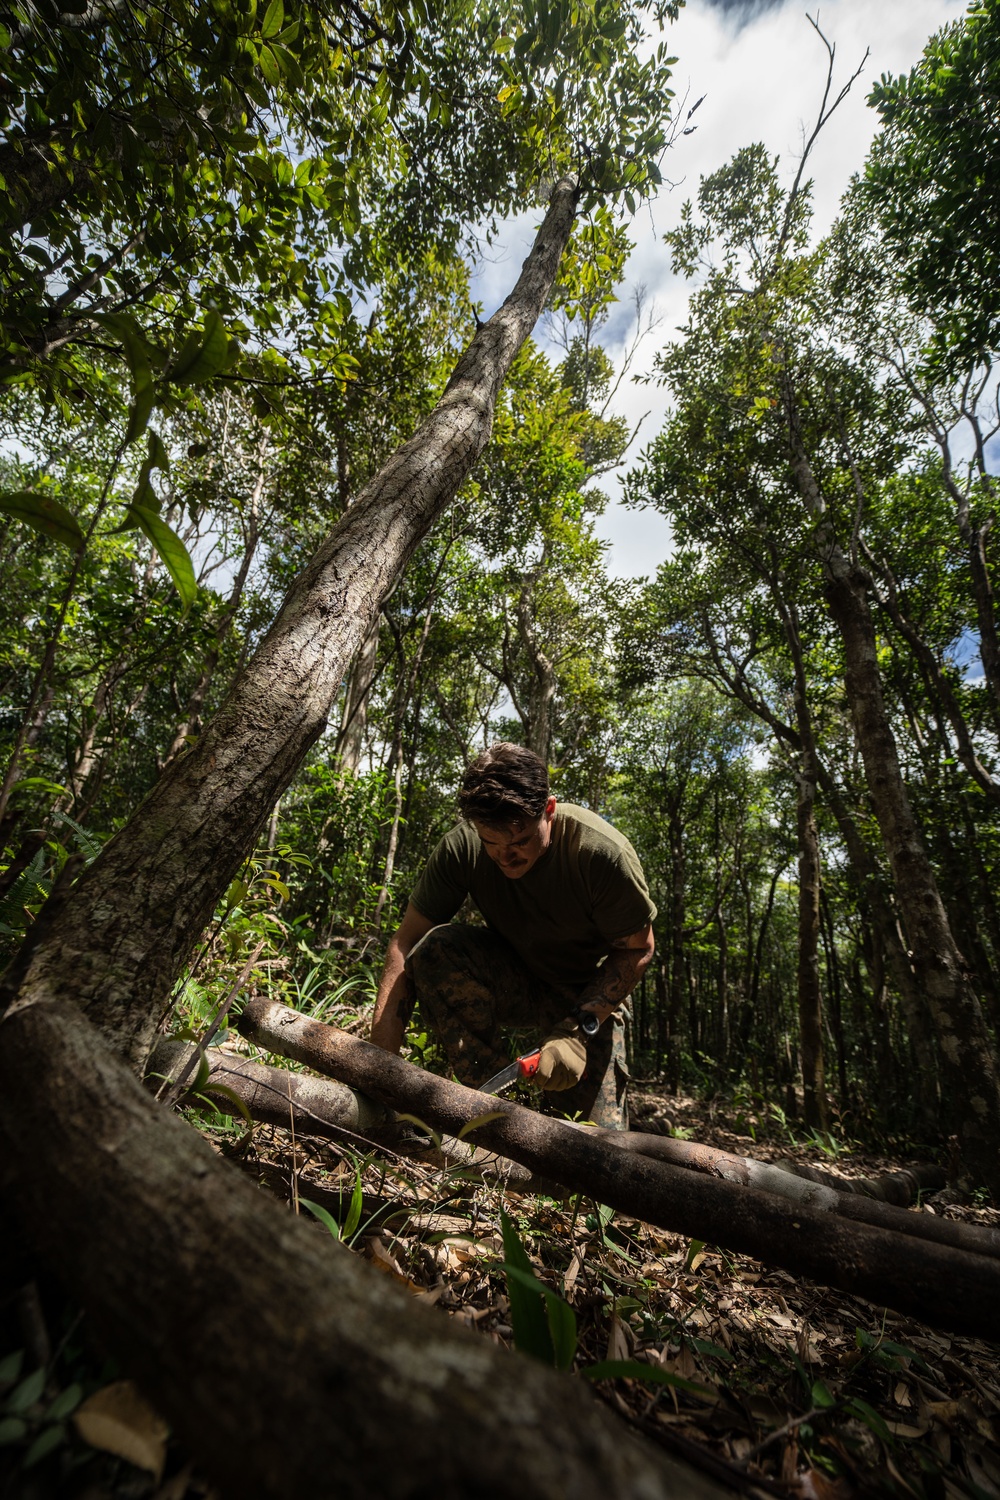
[967, 1061]
[126, 929]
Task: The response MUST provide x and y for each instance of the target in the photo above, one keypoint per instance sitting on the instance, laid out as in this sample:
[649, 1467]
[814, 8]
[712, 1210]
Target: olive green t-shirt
[563, 914]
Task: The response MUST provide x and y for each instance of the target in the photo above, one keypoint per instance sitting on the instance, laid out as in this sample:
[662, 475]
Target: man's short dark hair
[505, 786]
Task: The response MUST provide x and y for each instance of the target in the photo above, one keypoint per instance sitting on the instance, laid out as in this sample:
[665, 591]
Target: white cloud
[762, 79]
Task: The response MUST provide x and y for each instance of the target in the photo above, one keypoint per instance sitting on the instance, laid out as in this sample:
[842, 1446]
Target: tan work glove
[563, 1058]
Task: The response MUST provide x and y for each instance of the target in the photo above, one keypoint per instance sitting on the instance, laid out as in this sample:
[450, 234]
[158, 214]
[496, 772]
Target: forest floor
[770, 1384]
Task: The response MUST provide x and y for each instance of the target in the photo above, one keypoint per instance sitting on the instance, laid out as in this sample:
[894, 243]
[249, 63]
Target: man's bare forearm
[388, 1028]
[618, 975]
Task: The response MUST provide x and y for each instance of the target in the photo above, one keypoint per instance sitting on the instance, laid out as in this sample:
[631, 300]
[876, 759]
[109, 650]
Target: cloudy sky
[761, 68]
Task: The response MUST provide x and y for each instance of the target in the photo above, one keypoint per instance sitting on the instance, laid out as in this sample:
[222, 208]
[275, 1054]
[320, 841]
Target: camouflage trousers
[484, 1007]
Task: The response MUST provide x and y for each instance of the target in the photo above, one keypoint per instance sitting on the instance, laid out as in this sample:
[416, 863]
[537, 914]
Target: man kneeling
[568, 917]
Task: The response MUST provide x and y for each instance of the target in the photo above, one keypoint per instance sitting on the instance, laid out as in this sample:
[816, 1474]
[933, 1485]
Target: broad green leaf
[140, 412]
[43, 514]
[27, 1393]
[201, 357]
[44, 1444]
[821, 1396]
[270, 69]
[12, 1430]
[157, 457]
[323, 1216]
[135, 347]
[10, 1368]
[173, 553]
[528, 1322]
[67, 1401]
[274, 19]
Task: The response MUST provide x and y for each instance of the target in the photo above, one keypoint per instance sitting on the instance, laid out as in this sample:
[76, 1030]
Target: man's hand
[563, 1058]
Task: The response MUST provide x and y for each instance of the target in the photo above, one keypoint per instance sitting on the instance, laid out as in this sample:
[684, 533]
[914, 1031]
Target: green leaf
[274, 19]
[634, 1369]
[43, 514]
[44, 1444]
[269, 67]
[173, 553]
[12, 1430]
[201, 357]
[27, 1393]
[10, 1368]
[139, 413]
[527, 1308]
[323, 1216]
[157, 457]
[209, 1091]
[821, 1396]
[694, 1250]
[354, 1212]
[492, 1114]
[67, 1401]
[870, 1417]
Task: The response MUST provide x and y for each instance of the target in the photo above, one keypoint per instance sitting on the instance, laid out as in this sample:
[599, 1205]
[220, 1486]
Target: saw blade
[502, 1079]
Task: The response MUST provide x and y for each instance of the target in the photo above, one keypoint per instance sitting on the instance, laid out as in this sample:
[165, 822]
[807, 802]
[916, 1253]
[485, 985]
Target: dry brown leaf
[904, 1429]
[574, 1268]
[119, 1420]
[379, 1256]
[618, 1341]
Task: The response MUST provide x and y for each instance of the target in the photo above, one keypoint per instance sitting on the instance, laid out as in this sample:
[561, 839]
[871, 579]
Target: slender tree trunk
[678, 908]
[357, 691]
[542, 682]
[968, 1064]
[815, 1108]
[126, 929]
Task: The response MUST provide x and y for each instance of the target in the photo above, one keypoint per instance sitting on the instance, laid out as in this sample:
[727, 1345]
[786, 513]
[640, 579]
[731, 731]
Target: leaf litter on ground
[774, 1383]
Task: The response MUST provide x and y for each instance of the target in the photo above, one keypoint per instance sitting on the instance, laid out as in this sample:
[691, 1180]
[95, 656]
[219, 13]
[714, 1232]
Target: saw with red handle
[524, 1068]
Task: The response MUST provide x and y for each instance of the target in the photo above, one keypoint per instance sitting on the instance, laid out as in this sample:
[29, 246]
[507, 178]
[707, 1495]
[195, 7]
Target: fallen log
[325, 1108]
[952, 1288]
[274, 1096]
[798, 1183]
[224, 1307]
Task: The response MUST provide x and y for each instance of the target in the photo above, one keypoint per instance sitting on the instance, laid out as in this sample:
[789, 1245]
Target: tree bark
[967, 1061]
[948, 1287]
[274, 1096]
[355, 1388]
[357, 691]
[126, 929]
[322, 1107]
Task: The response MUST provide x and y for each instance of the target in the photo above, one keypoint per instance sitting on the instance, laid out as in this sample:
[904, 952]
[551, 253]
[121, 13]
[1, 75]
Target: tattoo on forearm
[617, 978]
